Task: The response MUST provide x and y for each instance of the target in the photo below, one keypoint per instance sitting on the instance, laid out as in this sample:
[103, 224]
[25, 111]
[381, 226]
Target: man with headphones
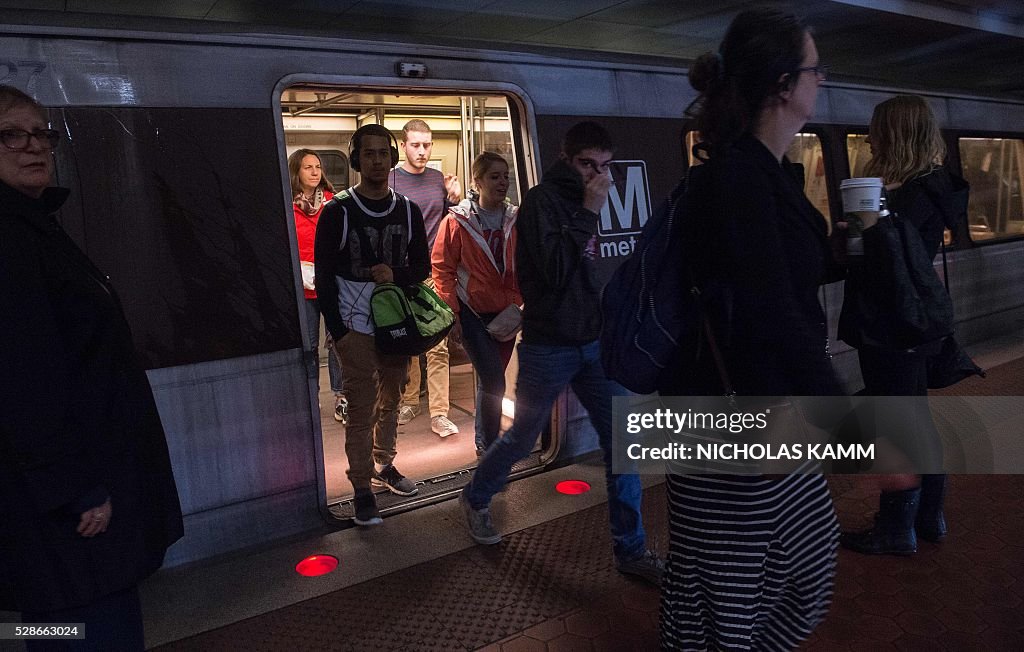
[434, 193]
[369, 234]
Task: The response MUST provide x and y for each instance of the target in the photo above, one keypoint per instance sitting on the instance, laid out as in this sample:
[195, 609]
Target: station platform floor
[418, 582]
[553, 587]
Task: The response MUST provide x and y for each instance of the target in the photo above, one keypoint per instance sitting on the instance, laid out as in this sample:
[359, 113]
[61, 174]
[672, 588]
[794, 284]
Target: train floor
[422, 454]
[417, 582]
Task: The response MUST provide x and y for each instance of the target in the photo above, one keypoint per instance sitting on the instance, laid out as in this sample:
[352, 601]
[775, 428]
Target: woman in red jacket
[474, 269]
[310, 191]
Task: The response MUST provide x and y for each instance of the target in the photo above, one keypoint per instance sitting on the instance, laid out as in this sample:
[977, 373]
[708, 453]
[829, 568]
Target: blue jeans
[313, 341]
[489, 358]
[544, 371]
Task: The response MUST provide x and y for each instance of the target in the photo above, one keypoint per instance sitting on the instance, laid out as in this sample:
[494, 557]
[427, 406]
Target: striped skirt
[751, 561]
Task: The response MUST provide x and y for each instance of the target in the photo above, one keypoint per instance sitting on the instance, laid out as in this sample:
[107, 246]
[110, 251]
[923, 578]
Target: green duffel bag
[409, 320]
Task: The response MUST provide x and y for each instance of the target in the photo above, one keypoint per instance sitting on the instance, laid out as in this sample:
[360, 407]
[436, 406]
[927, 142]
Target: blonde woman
[474, 272]
[907, 152]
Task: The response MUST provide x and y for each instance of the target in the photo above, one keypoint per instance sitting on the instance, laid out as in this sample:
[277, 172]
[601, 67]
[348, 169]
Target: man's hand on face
[595, 192]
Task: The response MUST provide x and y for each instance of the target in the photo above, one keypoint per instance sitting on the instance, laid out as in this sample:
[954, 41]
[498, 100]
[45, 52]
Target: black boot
[893, 533]
[931, 522]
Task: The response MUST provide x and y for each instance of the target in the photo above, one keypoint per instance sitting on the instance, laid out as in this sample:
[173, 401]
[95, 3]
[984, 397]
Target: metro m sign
[627, 210]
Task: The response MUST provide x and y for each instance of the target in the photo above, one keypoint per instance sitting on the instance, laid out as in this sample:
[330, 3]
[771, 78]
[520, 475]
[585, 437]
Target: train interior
[323, 119]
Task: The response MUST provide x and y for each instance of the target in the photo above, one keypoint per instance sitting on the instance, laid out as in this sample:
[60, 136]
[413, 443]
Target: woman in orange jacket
[474, 270]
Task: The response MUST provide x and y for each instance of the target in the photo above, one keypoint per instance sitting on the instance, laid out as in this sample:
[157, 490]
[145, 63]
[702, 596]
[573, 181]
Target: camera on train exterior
[414, 70]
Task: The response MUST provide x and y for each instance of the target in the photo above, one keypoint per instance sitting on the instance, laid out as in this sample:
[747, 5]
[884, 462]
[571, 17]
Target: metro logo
[629, 200]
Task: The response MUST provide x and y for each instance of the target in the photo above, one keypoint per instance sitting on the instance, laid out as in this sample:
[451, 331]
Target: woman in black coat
[752, 558]
[86, 491]
[907, 151]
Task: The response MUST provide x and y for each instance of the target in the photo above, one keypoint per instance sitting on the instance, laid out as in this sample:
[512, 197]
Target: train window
[335, 166]
[805, 151]
[323, 118]
[858, 152]
[995, 169]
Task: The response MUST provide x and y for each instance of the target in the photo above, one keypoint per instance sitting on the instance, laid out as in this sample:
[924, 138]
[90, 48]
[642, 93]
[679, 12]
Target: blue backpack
[650, 306]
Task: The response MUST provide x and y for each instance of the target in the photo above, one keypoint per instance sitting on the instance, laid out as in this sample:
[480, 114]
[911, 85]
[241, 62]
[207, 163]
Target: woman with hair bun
[752, 558]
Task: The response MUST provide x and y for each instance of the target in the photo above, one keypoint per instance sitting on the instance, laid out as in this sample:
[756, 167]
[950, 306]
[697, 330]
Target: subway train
[175, 149]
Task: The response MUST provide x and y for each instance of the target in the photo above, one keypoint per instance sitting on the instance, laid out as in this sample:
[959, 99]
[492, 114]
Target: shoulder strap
[680, 196]
[945, 269]
[408, 216]
[340, 198]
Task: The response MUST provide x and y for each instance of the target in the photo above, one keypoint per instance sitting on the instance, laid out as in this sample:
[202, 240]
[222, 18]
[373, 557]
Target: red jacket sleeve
[444, 260]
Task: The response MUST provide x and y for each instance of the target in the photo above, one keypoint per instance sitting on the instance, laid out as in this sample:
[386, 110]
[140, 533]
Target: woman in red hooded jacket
[310, 191]
[474, 270]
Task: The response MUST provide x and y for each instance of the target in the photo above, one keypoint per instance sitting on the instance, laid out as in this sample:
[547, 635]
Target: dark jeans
[544, 371]
[489, 358]
[313, 341]
[113, 623]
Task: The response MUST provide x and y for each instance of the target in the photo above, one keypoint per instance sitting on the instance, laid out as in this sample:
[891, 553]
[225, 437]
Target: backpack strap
[340, 198]
[680, 196]
[408, 216]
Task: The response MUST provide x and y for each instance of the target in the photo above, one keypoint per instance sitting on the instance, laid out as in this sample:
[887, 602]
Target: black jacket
[77, 423]
[930, 202]
[555, 262]
[759, 253]
[881, 306]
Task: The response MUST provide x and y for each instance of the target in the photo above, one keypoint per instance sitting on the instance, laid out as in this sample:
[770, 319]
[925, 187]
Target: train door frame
[526, 147]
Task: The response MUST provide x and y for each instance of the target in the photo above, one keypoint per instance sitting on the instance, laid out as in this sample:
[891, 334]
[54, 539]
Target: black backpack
[650, 306]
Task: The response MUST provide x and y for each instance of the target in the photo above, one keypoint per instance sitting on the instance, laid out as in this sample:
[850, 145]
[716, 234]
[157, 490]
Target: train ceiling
[964, 46]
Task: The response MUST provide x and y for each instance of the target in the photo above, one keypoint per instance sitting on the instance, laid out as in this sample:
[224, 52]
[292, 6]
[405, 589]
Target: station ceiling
[962, 46]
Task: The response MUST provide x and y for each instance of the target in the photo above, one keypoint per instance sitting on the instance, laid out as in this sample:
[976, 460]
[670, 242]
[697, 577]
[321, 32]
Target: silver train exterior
[175, 153]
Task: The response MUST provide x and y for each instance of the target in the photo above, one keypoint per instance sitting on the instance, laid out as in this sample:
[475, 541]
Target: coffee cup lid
[861, 182]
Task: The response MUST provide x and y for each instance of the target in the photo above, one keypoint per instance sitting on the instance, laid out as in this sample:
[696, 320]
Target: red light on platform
[572, 487]
[316, 565]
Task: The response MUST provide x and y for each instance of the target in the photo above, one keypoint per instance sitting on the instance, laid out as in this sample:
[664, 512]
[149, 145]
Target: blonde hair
[905, 138]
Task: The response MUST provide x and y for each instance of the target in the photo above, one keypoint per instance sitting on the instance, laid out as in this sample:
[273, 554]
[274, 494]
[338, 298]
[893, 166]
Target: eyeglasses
[820, 70]
[18, 139]
[597, 166]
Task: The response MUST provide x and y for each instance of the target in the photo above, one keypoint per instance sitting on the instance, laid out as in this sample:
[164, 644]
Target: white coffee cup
[861, 194]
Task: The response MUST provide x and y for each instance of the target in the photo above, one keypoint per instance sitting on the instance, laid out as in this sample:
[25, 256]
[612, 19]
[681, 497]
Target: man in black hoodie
[555, 264]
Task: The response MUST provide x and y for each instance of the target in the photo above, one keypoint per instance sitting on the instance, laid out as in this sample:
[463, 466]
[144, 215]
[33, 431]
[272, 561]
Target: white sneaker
[406, 414]
[443, 427]
[341, 410]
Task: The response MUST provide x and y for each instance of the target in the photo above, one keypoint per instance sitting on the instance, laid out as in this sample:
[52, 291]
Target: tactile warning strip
[553, 587]
[463, 601]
